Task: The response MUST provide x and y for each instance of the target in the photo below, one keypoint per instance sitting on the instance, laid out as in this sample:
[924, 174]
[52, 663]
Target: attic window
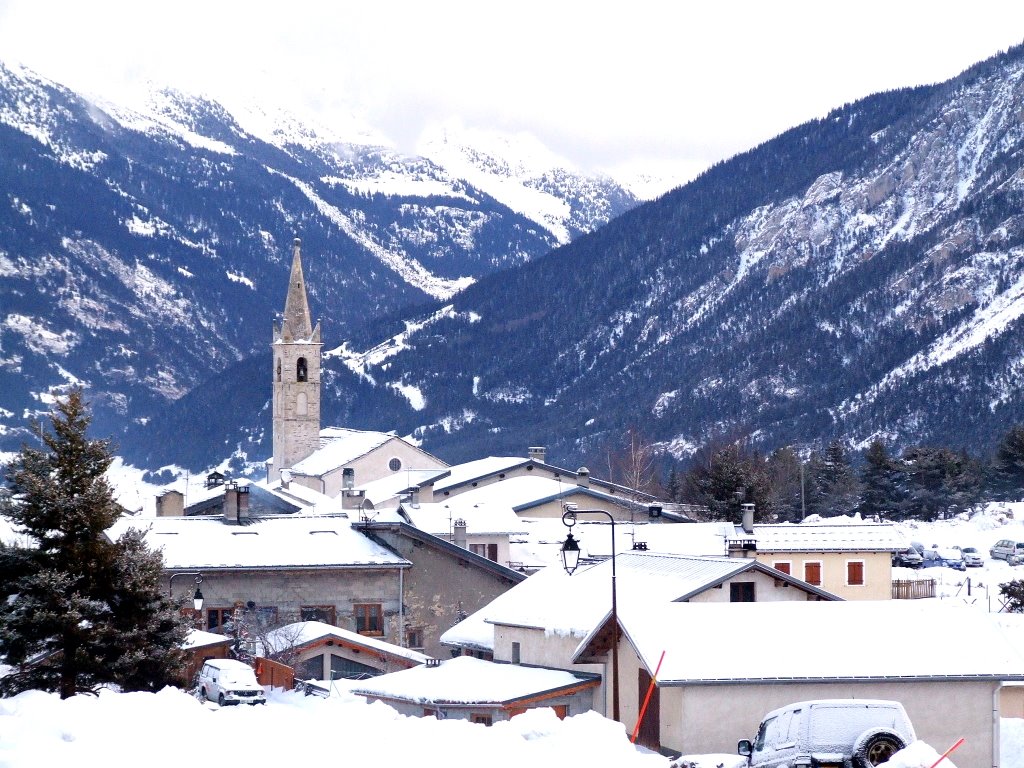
[244, 533]
[333, 533]
[166, 533]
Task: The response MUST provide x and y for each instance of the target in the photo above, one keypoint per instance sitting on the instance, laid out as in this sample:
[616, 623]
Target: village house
[725, 666]
[541, 621]
[850, 558]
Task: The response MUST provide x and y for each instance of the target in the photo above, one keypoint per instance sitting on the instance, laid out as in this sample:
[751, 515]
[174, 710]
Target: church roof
[296, 325]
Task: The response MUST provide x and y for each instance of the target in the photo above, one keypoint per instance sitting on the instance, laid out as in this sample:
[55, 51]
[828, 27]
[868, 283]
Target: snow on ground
[171, 729]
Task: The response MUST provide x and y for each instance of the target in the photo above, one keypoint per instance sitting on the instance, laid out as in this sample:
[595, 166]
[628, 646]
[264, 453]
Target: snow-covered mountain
[860, 276]
[144, 243]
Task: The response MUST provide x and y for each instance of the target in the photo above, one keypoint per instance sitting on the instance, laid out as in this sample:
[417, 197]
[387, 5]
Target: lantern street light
[570, 561]
[197, 598]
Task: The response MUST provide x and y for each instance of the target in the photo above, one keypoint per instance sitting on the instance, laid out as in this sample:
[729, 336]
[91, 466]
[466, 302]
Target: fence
[274, 673]
[912, 589]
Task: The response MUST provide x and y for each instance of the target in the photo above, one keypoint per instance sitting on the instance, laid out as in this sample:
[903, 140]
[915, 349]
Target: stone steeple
[296, 388]
[296, 324]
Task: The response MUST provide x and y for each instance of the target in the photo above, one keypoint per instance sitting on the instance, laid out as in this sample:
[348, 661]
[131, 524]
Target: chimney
[231, 503]
[170, 504]
[537, 453]
[583, 477]
[459, 535]
[748, 517]
[414, 497]
[286, 477]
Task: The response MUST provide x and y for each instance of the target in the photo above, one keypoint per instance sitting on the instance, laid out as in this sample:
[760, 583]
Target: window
[855, 573]
[490, 551]
[301, 373]
[369, 618]
[812, 573]
[414, 638]
[785, 566]
[395, 464]
[741, 592]
[278, 369]
[324, 613]
[219, 620]
[481, 719]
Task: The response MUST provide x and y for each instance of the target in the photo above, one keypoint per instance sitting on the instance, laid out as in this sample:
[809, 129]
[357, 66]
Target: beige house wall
[877, 571]
[372, 466]
[766, 589]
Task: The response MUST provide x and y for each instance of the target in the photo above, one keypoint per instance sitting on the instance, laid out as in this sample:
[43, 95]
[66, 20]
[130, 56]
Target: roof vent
[433, 662]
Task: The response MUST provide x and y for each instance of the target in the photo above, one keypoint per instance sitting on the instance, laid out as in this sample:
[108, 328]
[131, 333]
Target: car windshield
[836, 728]
[236, 678]
[969, 549]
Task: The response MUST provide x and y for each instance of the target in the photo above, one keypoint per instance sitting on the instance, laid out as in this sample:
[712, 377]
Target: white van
[227, 681]
[832, 732]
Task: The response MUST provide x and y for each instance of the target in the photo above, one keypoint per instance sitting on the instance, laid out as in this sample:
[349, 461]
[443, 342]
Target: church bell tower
[296, 359]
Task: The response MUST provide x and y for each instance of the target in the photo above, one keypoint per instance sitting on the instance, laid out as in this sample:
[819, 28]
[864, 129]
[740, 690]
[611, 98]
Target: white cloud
[607, 85]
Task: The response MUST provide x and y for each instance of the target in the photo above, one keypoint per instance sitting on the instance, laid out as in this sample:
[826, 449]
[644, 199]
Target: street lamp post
[197, 598]
[570, 560]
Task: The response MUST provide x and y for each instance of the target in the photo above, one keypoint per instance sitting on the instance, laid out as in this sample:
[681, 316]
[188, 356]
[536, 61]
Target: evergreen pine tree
[1008, 466]
[81, 610]
[881, 483]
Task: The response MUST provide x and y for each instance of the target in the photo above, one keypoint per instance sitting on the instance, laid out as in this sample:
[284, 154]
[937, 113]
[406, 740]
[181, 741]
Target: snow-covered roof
[338, 447]
[573, 605]
[303, 632]
[197, 638]
[839, 537]
[294, 541]
[466, 680]
[523, 493]
[481, 517]
[392, 486]
[466, 472]
[711, 642]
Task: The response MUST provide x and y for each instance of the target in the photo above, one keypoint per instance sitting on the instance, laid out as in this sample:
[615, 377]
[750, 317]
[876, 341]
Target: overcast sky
[609, 85]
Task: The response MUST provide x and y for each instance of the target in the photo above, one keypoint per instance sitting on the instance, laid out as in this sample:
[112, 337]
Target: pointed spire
[296, 322]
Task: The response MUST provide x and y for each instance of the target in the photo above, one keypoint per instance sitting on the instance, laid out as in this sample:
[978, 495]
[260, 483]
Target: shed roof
[834, 537]
[303, 633]
[465, 680]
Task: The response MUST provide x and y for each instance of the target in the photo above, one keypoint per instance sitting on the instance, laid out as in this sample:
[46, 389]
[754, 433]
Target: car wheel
[876, 748]
[220, 699]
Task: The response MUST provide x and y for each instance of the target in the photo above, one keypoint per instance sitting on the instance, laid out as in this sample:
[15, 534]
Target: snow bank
[171, 729]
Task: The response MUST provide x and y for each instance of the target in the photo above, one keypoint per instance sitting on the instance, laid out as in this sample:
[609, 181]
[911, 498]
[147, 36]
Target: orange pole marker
[948, 752]
[647, 699]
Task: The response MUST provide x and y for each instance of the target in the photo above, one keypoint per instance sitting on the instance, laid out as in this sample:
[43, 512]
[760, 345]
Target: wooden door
[650, 727]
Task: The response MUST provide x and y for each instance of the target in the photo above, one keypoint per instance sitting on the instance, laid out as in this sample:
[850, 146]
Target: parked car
[831, 732]
[909, 558]
[1009, 550]
[228, 681]
[948, 558]
[972, 557]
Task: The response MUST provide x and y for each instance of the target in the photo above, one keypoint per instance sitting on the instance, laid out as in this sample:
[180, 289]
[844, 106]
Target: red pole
[647, 699]
[947, 752]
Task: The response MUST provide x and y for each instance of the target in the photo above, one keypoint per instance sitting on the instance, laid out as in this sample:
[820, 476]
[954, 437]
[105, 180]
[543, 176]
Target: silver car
[972, 557]
[832, 733]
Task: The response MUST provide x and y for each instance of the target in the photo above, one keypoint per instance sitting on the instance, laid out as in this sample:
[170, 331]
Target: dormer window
[301, 373]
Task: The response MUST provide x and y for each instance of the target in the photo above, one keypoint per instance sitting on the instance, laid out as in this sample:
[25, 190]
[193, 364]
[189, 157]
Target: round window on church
[395, 464]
